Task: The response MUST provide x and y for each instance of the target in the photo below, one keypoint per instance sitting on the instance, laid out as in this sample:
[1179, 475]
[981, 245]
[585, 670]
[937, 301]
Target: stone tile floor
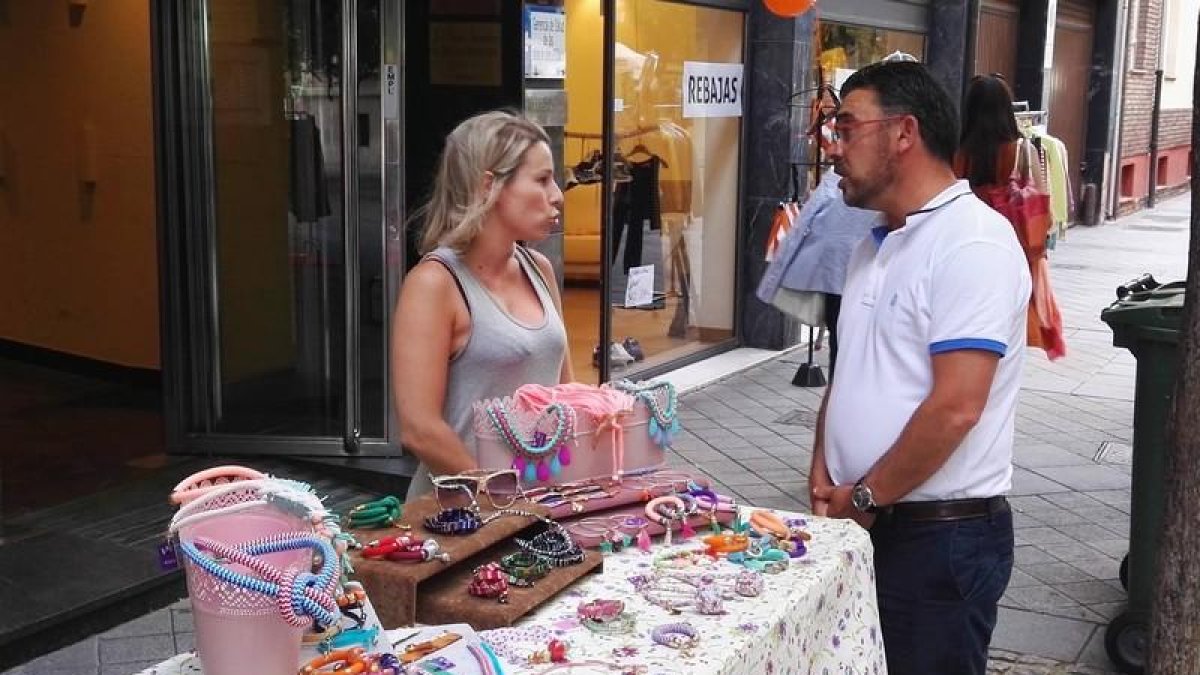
[1071, 499]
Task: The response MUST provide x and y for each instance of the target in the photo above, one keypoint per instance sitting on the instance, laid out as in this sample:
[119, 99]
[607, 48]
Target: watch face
[861, 497]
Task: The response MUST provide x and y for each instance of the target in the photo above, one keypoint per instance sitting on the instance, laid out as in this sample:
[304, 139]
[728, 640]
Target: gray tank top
[501, 352]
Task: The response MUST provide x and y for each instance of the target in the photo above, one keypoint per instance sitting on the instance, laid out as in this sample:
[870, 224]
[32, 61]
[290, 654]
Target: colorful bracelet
[488, 581]
[346, 662]
[726, 543]
[619, 625]
[600, 610]
[524, 568]
[768, 522]
[680, 636]
[654, 512]
[384, 512]
[454, 521]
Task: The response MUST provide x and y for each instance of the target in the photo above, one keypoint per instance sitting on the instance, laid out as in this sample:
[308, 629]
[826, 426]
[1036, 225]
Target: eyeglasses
[843, 128]
[461, 490]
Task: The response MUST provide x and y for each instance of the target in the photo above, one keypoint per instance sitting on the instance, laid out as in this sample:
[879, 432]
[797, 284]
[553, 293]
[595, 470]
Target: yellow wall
[78, 267]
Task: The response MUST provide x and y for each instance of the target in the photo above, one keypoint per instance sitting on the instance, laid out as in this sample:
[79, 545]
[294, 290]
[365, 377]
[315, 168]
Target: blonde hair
[492, 142]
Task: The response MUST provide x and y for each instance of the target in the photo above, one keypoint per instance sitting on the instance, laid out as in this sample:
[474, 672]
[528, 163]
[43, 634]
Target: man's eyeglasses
[461, 490]
[842, 129]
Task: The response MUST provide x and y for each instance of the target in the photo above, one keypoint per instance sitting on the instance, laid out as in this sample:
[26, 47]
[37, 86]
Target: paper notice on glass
[639, 287]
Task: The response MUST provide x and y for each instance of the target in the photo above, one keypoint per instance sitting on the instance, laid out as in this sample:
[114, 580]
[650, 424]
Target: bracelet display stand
[444, 599]
[396, 587]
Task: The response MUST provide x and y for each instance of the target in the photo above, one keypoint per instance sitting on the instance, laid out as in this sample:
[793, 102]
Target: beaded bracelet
[654, 512]
[488, 581]
[680, 636]
[600, 610]
[524, 568]
[619, 625]
[682, 559]
[453, 521]
[374, 515]
[346, 662]
[748, 584]
[727, 543]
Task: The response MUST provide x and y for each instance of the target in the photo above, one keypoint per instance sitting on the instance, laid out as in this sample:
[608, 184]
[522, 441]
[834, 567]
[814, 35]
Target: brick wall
[1174, 125]
[1174, 128]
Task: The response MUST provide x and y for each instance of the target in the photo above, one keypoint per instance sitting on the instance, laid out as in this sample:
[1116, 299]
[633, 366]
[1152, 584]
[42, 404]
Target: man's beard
[866, 190]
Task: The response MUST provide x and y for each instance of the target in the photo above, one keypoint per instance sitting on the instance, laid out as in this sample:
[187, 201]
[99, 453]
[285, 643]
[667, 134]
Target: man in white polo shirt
[914, 439]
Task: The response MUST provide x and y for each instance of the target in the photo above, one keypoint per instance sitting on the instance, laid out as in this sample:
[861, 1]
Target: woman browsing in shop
[480, 315]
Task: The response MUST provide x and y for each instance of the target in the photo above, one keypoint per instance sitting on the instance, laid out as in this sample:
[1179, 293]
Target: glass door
[290, 289]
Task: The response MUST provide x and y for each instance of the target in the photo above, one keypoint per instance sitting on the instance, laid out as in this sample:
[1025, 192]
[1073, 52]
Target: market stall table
[819, 616]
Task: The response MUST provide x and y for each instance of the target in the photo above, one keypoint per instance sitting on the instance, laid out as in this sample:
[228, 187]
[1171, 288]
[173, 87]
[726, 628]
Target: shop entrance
[284, 281]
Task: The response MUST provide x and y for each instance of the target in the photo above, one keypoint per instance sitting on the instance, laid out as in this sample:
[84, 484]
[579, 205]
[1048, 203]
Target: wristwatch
[862, 497]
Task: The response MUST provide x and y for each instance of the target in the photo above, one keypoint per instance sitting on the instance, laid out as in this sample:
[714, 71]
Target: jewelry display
[664, 419]
[454, 521]
[381, 513]
[489, 581]
[554, 545]
[530, 456]
[680, 636]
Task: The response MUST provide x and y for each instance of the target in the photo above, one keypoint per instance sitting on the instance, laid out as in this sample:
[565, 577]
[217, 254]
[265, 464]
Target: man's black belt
[946, 510]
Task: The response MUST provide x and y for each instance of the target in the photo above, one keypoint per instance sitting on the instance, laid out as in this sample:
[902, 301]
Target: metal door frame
[185, 179]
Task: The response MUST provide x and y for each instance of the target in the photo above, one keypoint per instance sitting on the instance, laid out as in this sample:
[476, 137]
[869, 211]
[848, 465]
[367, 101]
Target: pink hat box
[593, 450]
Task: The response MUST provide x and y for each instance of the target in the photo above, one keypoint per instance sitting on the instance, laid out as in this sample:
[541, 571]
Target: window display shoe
[618, 356]
[633, 348]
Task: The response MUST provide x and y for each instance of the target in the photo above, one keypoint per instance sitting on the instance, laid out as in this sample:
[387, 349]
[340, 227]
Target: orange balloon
[789, 8]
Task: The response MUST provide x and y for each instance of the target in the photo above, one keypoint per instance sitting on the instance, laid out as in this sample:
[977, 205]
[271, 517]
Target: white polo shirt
[953, 277]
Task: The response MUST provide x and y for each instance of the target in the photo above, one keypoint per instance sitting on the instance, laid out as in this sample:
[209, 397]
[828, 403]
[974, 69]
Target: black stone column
[778, 63]
[946, 46]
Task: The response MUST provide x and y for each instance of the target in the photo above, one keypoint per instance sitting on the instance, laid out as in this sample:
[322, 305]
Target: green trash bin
[1145, 320]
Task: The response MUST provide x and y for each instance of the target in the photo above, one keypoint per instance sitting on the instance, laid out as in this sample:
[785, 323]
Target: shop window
[845, 48]
[674, 221]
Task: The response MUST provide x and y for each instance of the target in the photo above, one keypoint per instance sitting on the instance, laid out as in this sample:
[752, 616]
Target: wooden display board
[396, 587]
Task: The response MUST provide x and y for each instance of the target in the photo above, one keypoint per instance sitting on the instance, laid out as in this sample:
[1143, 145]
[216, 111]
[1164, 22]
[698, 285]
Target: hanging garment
[817, 249]
[308, 196]
[644, 202]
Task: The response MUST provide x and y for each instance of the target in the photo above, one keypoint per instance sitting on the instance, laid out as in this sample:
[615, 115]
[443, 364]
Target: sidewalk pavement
[752, 434]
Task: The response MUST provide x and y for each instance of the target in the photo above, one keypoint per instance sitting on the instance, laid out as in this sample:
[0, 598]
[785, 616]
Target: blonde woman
[480, 315]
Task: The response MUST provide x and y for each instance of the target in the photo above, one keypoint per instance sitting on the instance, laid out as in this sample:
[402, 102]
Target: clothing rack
[641, 131]
[1032, 118]
[809, 374]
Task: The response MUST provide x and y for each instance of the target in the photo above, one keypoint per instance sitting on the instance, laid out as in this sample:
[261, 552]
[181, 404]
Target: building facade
[1156, 115]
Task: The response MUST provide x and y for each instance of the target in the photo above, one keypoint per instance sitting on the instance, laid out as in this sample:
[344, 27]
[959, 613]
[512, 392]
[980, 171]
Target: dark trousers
[833, 307]
[938, 585]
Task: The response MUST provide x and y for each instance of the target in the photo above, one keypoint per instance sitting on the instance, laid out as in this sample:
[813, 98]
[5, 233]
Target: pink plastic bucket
[239, 631]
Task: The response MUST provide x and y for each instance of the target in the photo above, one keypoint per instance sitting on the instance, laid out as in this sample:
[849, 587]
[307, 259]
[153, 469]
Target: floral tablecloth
[819, 617]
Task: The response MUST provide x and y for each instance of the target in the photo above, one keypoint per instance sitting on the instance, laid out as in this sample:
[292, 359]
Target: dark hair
[907, 88]
[988, 123]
